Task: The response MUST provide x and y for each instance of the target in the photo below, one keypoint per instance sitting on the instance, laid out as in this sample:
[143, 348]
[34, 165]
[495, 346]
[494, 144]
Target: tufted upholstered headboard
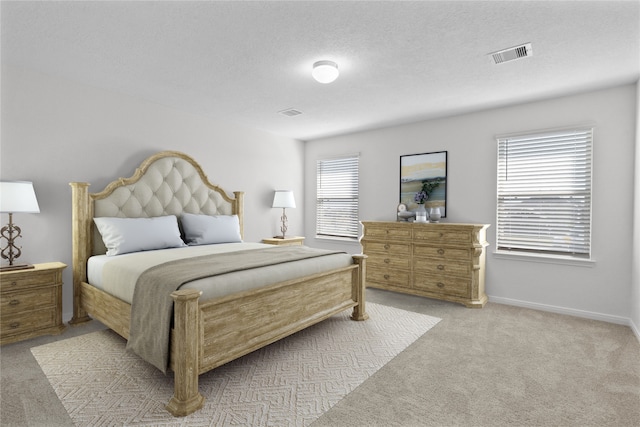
[167, 183]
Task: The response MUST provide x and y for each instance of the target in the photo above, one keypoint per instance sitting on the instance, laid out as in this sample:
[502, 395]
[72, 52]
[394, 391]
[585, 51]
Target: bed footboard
[211, 333]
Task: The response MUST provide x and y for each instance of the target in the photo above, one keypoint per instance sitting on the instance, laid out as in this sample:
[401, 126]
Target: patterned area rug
[289, 383]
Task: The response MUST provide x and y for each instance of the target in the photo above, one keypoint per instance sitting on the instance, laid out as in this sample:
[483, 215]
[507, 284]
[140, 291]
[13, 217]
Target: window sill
[549, 259]
[339, 239]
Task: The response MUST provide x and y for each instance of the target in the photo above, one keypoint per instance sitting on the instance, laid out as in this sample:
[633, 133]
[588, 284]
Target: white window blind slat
[544, 193]
[337, 197]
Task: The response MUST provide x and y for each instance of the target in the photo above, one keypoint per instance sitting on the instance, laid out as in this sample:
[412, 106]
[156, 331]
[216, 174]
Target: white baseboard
[568, 311]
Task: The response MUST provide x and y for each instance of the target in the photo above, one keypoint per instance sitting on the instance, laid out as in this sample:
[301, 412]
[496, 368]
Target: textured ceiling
[399, 61]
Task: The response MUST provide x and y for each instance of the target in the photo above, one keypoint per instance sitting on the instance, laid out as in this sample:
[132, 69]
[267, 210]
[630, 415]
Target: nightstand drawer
[27, 279]
[28, 322]
[442, 284]
[18, 302]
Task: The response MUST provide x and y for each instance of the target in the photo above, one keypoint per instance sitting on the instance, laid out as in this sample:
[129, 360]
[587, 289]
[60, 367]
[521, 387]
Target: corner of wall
[635, 273]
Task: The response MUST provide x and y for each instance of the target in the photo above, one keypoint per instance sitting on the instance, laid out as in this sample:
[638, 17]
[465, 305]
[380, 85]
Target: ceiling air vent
[290, 112]
[512, 53]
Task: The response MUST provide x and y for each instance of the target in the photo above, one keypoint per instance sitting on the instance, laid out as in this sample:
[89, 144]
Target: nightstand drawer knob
[14, 283]
[441, 251]
[386, 277]
[387, 260]
[14, 325]
[387, 246]
[14, 302]
[440, 285]
[440, 267]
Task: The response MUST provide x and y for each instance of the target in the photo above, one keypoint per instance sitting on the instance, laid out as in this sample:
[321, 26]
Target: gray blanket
[152, 305]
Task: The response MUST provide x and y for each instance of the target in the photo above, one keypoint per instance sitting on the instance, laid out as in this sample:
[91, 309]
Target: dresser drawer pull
[440, 285]
[440, 267]
[386, 246]
[387, 260]
[14, 325]
[14, 302]
[14, 283]
[441, 251]
[441, 234]
[386, 277]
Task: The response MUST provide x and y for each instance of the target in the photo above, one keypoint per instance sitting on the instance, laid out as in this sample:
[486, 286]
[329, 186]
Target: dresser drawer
[388, 261]
[31, 279]
[389, 277]
[35, 299]
[388, 233]
[427, 265]
[387, 248]
[442, 284]
[28, 322]
[439, 235]
[436, 252]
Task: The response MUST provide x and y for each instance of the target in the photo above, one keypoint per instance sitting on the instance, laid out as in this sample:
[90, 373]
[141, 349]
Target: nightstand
[287, 241]
[31, 302]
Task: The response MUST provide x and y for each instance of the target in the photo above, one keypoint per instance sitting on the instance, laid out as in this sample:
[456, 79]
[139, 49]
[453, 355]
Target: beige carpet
[289, 383]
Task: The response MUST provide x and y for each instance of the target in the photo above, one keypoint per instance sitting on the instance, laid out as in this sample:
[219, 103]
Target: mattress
[117, 275]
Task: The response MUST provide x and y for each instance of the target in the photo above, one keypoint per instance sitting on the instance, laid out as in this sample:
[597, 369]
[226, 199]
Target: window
[544, 193]
[337, 198]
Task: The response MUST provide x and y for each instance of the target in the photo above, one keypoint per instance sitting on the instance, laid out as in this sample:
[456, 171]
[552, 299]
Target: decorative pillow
[124, 235]
[205, 229]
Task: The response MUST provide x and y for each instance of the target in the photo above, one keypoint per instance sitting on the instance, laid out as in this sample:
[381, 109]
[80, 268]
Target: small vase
[434, 215]
[421, 214]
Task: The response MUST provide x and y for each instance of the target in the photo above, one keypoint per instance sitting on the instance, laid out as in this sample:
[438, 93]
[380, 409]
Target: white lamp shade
[283, 199]
[18, 196]
[325, 71]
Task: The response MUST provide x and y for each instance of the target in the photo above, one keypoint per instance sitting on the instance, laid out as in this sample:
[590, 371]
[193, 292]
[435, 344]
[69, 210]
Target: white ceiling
[399, 61]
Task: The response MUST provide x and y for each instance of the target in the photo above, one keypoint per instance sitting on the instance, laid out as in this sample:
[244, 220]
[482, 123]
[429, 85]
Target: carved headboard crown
[167, 183]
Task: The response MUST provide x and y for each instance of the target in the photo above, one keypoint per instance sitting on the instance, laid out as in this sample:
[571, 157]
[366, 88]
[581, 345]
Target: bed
[206, 328]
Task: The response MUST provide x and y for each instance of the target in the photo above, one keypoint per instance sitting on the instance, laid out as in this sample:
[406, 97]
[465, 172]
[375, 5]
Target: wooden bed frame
[207, 334]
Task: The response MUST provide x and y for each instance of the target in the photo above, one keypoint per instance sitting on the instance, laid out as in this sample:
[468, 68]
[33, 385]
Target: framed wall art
[423, 180]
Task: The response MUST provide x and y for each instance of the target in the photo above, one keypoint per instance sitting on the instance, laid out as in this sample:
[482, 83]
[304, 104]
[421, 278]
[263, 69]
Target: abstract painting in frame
[416, 168]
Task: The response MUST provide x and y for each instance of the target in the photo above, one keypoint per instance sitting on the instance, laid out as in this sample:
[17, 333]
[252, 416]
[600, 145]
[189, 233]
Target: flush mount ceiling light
[325, 71]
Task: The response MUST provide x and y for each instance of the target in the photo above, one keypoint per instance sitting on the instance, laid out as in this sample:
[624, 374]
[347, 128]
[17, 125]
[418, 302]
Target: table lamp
[15, 197]
[283, 199]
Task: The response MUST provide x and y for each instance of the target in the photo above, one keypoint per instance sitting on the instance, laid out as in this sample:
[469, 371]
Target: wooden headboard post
[81, 223]
[238, 209]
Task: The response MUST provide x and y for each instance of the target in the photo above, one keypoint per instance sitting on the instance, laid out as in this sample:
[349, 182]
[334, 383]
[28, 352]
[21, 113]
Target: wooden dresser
[443, 261]
[31, 302]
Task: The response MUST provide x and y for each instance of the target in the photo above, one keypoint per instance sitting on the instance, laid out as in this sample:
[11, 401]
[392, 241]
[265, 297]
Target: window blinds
[337, 197]
[544, 193]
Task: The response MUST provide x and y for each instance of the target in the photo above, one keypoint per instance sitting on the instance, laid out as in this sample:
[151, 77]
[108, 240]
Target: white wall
[55, 131]
[635, 286]
[601, 291]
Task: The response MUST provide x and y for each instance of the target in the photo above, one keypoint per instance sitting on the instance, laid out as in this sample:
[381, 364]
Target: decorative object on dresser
[283, 199]
[404, 214]
[287, 241]
[15, 197]
[423, 181]
[31, 302]
[442, 261]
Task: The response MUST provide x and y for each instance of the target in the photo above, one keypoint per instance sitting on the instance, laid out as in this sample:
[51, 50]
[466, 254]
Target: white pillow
[124, 235]
[205, 229]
